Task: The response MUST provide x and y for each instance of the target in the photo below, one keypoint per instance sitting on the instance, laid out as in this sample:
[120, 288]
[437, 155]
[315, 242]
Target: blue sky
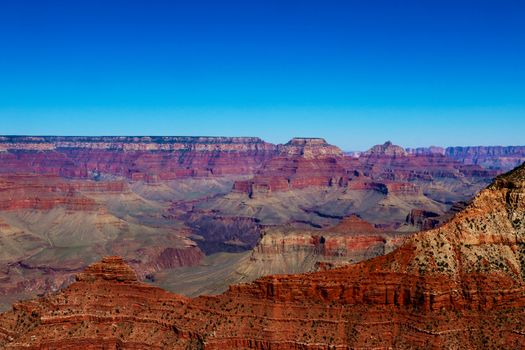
[358, 73]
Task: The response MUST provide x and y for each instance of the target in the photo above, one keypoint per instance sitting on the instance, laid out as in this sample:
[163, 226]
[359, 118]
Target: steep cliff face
[136, 158]
[392, 162]
[215, 233]
[295, 250]
[301, 165]
[423, 219]
[491, 157]
[284, 174]
[458, 286]
[118, 311]
[44, 192]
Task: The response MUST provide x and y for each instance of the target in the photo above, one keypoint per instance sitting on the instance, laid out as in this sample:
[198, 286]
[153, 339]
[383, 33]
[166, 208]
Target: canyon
[217, 210]
[460, 285]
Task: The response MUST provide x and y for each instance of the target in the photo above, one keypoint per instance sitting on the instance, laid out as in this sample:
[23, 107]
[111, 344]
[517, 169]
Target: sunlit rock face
[135, 158]
[458, 286]
[170, 204]
[490, 157]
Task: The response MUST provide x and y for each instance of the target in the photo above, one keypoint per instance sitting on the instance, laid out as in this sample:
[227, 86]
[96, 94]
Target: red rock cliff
[136, 158]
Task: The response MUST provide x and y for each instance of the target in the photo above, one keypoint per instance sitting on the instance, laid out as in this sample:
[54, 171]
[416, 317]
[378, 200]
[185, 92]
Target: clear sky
[357, 73]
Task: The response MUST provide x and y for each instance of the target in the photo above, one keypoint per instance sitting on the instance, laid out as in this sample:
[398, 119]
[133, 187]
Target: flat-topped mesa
[111, 268]
[133, 143]
[423, 151]
[386, 149]
[309, 147]
[139, 158]
[130, 139]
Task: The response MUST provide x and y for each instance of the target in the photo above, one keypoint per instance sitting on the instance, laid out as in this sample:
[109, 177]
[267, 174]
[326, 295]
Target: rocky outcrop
[152, 259]
[293, 250]
[111, 268]
[354, 224]
[499, 158]
[427, 220]
[301, 165]
[386, 149]
[458, 286]
[392, 162]
[113, 299]
[423, 219]
[283, 174]
[309, 148]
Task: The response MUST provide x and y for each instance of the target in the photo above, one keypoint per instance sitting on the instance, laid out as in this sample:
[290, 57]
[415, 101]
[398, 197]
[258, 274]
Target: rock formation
[301, 163]
[458, 286]
[309, 148]
[136, 158]
[313, 163]
[165, 203]
[386, 149]
[294, 250]
[423, 219]
[490, 157]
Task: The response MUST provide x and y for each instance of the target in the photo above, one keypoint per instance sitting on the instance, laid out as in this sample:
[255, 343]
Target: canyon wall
[490, 157]
[389, 164]
[461, 285]
[135, 158]
[165, 203]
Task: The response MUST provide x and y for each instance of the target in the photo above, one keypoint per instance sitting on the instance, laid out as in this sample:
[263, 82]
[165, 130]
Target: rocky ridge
[491, 157]
[137, 158]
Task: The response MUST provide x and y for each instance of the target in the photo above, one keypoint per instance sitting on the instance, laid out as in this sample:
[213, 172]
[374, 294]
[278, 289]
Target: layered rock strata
[136, 158]
[458, 286]
[313, 163]
[491, 157]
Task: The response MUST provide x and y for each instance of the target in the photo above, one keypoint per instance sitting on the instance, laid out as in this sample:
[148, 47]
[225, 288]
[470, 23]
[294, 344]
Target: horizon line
[236, 137]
